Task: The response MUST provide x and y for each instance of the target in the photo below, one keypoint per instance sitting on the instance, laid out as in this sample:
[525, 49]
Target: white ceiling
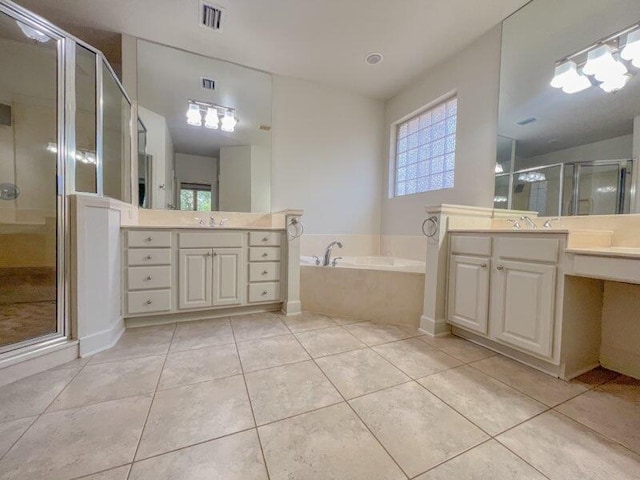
[324, 41]
[168, 78]
[533, 40]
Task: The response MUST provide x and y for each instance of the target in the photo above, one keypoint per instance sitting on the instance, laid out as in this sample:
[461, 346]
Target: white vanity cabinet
[504, 287]
[178, 271]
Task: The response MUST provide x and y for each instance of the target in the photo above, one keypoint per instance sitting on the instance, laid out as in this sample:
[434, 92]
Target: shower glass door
[29, 168]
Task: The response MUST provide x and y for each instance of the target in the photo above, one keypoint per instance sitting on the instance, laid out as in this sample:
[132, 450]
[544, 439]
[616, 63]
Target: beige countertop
[627, 252]
[199, 227]
[530, 231]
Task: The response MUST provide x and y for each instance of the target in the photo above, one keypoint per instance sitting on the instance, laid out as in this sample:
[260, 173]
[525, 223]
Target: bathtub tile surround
[395, 297]
[395, 404]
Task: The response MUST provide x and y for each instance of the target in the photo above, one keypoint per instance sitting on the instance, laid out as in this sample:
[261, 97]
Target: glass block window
[426, 150]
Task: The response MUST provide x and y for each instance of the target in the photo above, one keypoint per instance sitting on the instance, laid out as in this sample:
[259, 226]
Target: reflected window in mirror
[582, 139]
[195, 197]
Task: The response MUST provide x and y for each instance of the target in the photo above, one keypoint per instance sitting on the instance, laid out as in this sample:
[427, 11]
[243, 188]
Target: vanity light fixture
[228, 122]
[631, 50]
[604, 63]
[499, 168]
[216, 116]
[211, 120]
[194, 117]
[82, 155]
[500, 199]
[607, 189]
[532, 177]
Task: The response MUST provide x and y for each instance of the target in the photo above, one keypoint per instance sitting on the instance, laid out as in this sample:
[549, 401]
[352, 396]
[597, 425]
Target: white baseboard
[97, 342]
[292, 308]
[435, 328]
[620, 361]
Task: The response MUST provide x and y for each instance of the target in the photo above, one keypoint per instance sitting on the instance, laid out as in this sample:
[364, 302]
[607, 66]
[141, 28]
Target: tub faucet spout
[326, 257]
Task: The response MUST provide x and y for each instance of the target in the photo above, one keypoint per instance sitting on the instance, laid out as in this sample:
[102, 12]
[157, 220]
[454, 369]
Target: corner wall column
[292, 305]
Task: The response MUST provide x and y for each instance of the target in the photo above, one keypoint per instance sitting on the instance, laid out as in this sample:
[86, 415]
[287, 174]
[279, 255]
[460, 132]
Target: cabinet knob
[148, 302]
[148, 239]
[499, 267]
[264, 272]
[484, 265]
[148, 277]
[215, 254]
[264, 292]
[265, 254]
[148, 257]
[265, 239]
[208, 254]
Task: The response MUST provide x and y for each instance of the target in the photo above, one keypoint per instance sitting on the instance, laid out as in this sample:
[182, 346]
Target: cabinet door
[227, 275]
[523, 306]
[195, 282]
[468, 298]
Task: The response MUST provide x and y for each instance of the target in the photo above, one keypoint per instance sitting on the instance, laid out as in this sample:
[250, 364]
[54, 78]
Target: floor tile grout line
[185, 447]
[637, 453]
[130, 465]
[253, 413]
[38, 416]
[356, 414]
[153, 397]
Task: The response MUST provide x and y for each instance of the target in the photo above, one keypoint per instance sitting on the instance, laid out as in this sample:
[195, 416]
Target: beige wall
[620, 349]
[327, 156]
[474, 75]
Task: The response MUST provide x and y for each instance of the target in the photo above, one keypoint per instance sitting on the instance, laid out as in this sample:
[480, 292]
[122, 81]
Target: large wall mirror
[205, 130]
[569, 115]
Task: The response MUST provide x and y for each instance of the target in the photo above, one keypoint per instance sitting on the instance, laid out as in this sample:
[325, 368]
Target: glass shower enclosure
[65, 127]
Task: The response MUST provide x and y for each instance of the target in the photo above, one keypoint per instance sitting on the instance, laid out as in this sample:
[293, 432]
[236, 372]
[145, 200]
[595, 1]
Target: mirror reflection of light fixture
[532, 177]
[604, 62]
[32, 33]
[211, 120]
[568, 79]
[631, 50]
[500, 199]
[82, 155]
[607, 189]
[228, 122]
[499, 168]
[193, 115]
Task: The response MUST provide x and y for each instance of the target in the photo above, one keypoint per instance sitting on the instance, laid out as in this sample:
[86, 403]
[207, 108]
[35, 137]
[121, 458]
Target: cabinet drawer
[149, 256]
[210, 239]
[146, 238]
[471, 245]
[535, 249]
[267, 239]
[149, 301]
[264, 272]
[264, 292]
[142, 278]
[264, 254]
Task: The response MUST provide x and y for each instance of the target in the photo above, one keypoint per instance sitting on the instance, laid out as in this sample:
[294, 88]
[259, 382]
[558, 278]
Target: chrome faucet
[516, 223]
[530, 223]
[326, 257]
[547, 224]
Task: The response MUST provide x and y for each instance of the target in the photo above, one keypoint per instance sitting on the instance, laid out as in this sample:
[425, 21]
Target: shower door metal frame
[65, 47]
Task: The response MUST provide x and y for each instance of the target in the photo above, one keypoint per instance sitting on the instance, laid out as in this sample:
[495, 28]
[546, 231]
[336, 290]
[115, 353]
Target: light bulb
[631, 50]
[563, 73]
[211, 120]
[602, 64]
[193, 115]
[499, 168]
[614, 84]
[228, 122]
[500, 199]
[576, 84]
[52, 147]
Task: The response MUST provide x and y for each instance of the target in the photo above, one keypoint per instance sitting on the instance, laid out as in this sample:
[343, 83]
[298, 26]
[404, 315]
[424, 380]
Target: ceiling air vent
[211, 16]
[208, 84]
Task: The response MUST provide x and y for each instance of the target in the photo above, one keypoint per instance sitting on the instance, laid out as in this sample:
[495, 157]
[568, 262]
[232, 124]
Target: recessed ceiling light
[374, 58]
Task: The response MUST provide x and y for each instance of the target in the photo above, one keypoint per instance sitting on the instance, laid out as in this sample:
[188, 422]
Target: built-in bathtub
[381, 289]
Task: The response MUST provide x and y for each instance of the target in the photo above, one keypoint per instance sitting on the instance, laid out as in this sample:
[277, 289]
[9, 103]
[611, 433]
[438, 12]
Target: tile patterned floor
[266, 397]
